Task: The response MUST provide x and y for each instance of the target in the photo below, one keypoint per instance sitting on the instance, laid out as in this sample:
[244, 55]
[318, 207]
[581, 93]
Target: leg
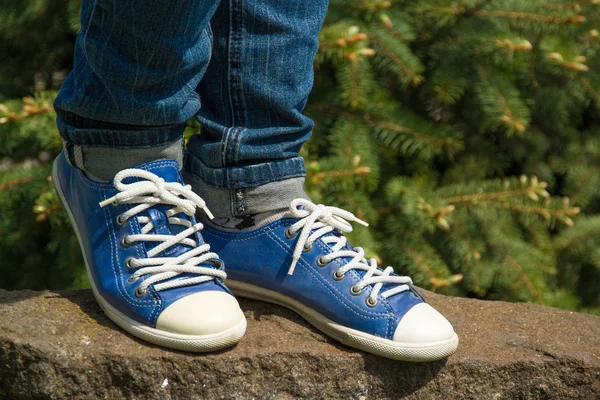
[255, 91]
[131, 91]
[132, 88]
[246, 162]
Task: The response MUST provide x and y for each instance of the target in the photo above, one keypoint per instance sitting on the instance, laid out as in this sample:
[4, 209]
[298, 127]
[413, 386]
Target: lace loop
[316, 221]
[149, 191]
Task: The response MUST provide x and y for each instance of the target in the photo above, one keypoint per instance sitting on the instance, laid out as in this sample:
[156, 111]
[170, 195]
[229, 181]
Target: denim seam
[229, 41]
[232, 150]
[235, 59]
[224, 148]
[229, 157]
[240, 201]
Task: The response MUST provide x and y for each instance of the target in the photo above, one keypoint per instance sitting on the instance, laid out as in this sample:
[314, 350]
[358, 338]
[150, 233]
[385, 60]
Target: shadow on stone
[13, 296]
[398, 378]
[257, 310]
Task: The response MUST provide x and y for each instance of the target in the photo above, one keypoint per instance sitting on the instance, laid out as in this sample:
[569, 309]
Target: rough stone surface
[59, 345]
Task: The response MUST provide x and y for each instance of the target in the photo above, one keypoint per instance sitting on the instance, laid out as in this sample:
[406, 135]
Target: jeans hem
[245, 176]
[150, 136]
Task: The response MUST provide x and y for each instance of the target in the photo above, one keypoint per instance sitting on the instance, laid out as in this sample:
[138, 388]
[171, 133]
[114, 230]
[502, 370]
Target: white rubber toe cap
[423, 324]
[202, 313]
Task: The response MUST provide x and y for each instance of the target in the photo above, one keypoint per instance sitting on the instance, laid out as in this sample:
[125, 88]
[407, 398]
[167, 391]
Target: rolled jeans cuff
[249, 190]
[84, 132]
[228, 203]
[237, 177]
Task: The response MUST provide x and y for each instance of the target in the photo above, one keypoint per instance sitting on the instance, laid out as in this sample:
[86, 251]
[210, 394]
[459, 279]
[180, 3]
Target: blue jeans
[244, 68]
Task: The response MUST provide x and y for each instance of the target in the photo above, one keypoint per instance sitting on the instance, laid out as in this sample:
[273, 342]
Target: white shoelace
[316, 221]
[146, 193]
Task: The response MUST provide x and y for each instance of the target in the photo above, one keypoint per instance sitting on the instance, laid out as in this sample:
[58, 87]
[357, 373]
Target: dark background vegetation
[466, 132]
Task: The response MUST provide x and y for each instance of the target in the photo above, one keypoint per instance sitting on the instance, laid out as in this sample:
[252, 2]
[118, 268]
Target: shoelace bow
[146, 193]
[315, 221]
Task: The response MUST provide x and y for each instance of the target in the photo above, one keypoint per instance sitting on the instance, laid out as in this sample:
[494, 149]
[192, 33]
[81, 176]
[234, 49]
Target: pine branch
[501, 101]
[456, 9]
[576, 5]
[522, 195]
[477, 7]
[591, 90]
[501, 195]
[397, 57]
[16, 182]
[587, 179]
[30, 107]
[562, 215]
[524, 278]
[320, 177]
[437, 143]
[587, 229]
[421, 263]
[548, 19]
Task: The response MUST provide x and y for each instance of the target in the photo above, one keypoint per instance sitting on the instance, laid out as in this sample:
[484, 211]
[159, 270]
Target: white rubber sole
[418, 352]
[193, 343]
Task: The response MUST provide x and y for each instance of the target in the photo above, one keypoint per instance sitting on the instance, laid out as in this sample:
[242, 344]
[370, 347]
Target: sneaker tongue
[166, 169]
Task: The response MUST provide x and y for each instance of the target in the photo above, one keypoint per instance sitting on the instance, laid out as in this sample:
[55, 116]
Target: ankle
[240, 209]
[103, 163]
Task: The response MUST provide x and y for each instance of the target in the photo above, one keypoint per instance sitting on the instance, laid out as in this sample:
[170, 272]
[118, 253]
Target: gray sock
[103, 163]
[246, 209]
[247, 222]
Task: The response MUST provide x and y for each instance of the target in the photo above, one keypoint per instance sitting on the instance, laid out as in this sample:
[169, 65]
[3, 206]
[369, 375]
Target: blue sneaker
[150, 270]
[302, 261]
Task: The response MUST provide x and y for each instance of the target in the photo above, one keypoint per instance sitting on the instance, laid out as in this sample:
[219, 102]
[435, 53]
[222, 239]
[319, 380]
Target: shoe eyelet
[132, 279]
[354, 291]
[128, 263]
[307, 248]
[139, 292]
[125, 243]
[321, 262]
[289, 234]
[120, 220]
[338, 276]
[371, 303]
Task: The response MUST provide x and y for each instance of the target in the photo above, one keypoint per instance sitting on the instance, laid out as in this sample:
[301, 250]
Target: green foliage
[483, 117]
[36, 43]
[466, 132]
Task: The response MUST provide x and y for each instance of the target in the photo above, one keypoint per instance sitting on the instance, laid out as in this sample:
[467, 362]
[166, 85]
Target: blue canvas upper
[262, 257]
[101, 237]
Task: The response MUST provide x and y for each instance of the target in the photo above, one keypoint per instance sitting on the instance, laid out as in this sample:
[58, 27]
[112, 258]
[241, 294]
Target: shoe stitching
[141, 253]
[112, 259]
[326, 250]
[328, 287]
[234, 236]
